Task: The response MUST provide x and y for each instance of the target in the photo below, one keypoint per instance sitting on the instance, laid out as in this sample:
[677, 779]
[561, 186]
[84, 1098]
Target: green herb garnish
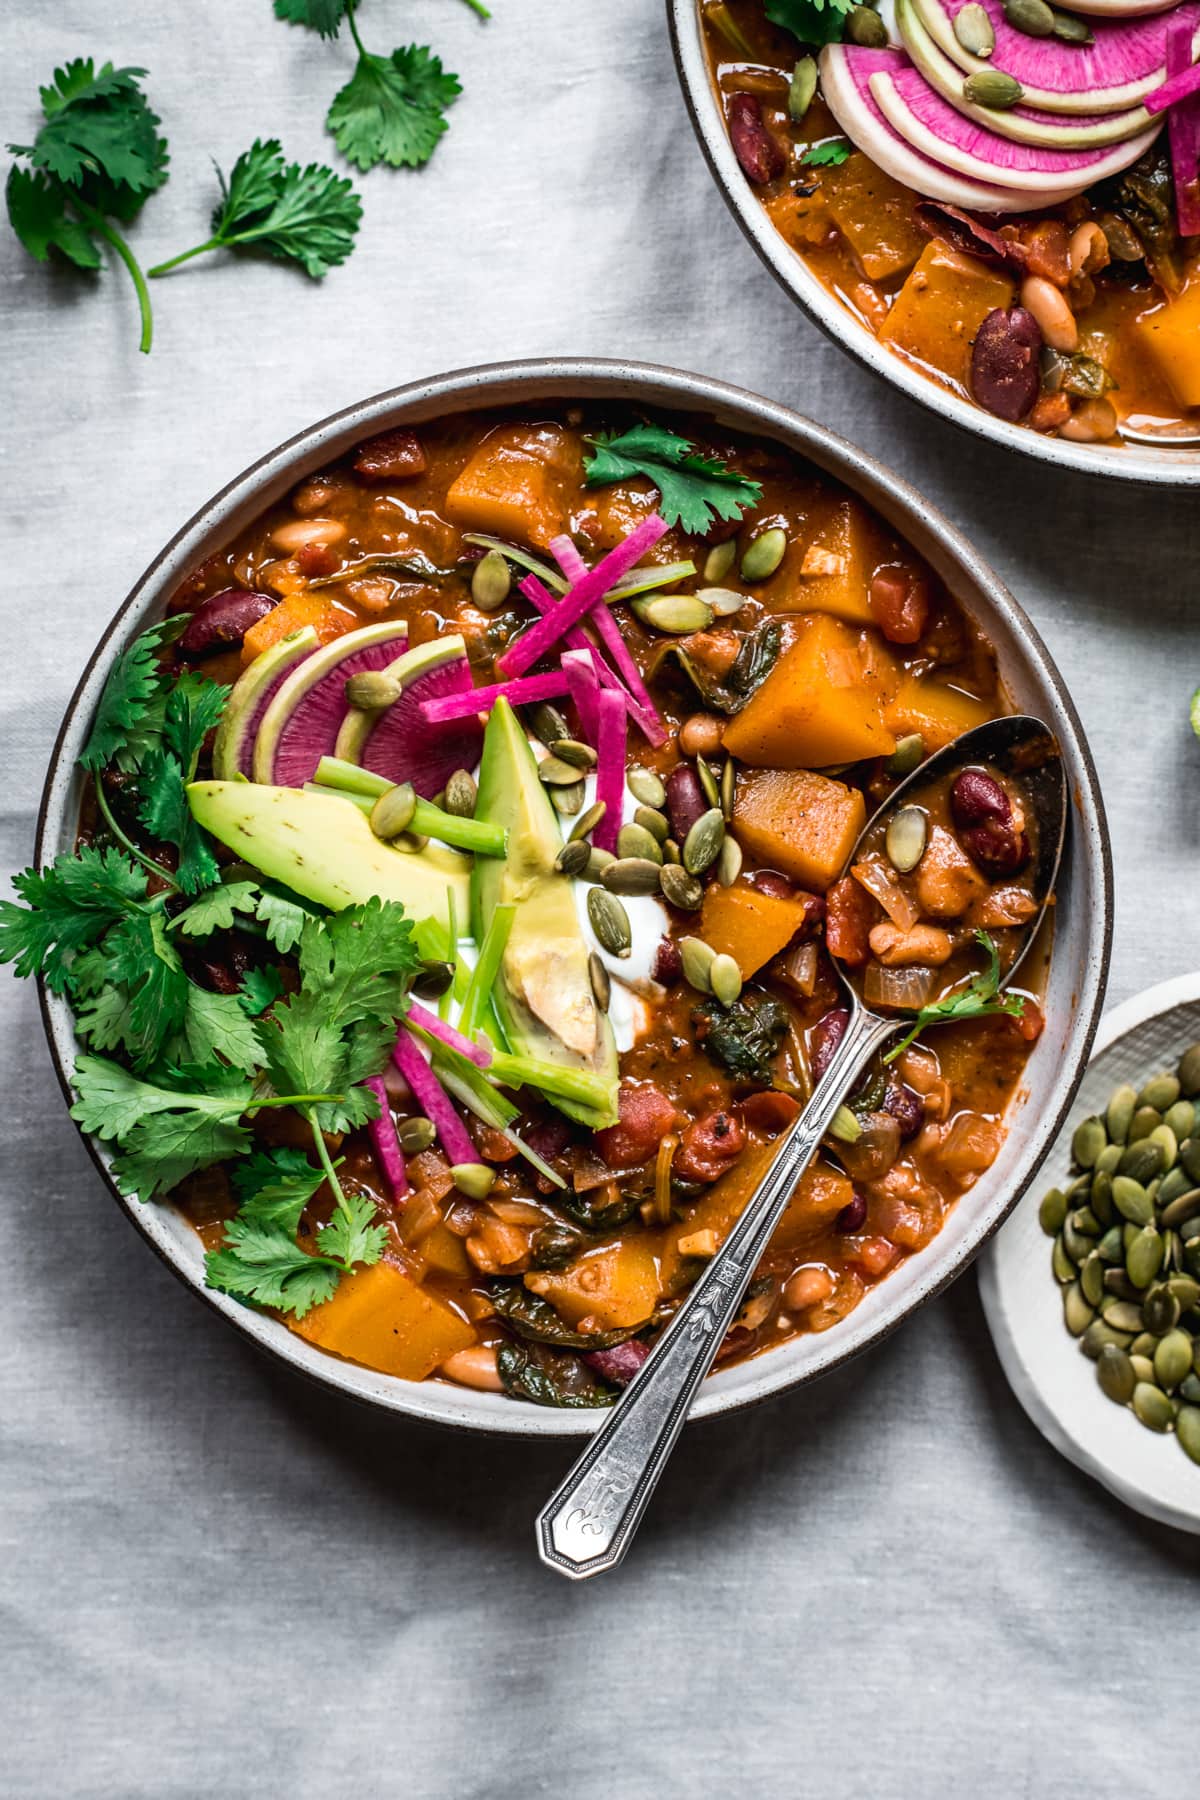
[827, 156]
[694, 490]
[812, 21]
[95, 160]
[979, 1000]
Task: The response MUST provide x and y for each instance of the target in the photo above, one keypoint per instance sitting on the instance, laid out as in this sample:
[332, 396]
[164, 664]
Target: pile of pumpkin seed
[1127, 1249]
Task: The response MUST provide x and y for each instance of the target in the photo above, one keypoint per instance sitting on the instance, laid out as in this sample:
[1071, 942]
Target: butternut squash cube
[616, 1285]
[1171, 336]
[514, 486]
[381, 1318]
[874, 215]
[327, 620]
[819, 1196]
[822, 703]
[836, 567]
[799, 822]
[937, 313]
[938, 712]
[752, 927]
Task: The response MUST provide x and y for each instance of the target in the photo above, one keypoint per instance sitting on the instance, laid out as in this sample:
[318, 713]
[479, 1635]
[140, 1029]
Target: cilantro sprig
[812, 21]
[392, 110]
[827, 156]
[694, 490]
[979, 999]
[95, 161]
[304, 215]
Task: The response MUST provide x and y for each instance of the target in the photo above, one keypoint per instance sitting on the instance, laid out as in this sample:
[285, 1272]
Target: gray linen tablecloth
[219, 1582]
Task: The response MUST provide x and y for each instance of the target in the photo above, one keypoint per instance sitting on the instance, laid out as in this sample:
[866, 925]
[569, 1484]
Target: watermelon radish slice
[301, 724]
[846, 74]
[252, 693]
[400, 743]
[1120, 9]
[1126, 62]
[1021, 124]
[938, 130]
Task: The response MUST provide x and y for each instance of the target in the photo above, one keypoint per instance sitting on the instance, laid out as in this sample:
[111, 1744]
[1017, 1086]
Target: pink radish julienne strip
[580, 598]
[610, 768]
[522, 692]
[1183, 129]
[385, 1141]
[583, 685]
[647, 721]
[609, 633]
[433, 1100]
[1179, 86]
[446, 1034]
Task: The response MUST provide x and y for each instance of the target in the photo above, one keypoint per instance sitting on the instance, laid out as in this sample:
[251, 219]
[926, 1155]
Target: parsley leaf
[694, 490]
[262, 1263]
[827, 156]
[812, 21]
[96, 158]
[69, 907]
[391, 108]
[980, 999]
[132, 707]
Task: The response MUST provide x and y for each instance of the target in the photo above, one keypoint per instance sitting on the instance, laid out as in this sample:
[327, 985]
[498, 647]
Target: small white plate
[1053, 1380]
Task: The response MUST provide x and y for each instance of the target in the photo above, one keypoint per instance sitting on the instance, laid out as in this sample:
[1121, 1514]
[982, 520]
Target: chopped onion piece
[881, 884]
[905, 990]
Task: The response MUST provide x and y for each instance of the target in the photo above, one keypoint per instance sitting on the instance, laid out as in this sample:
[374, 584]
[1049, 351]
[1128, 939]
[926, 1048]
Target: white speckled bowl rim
[1053, 1380]
[1133, 462]
[1084, 920]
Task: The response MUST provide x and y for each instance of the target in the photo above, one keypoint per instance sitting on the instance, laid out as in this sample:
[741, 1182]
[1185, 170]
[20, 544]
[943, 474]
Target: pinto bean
[807, 1287]
[222, 621]
[1088, 251]
[1093, 422]
[922, 944]
[761, 157]
[700, 735]
[474, 1368]
[392, 456]
[685, 800]
[828, 1033]
[297, 534]
[1004, 363]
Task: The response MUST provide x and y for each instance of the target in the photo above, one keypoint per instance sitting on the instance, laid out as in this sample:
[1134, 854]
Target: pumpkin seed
[598, 862]
[1189, 1156]
[725, 602]
[393, 811]
[1099, 1333]
[1160, 1092]
[1077, 1314]
[1144, 1257]
[697, 958]
[1089, 1140]
[1092, 1279]
[1100, 1198]
[600, 980]
[708, 781]
[722, 557]
[1143, 1366]
[372, 689]
[1070, 30]
[725, 979]
[609, 921]
[1115, 1373]
[587, 821]
[672, 852]
[554, 773]
[1145, 1120]
[703, 843]
[679, 888]
[1160, 1310]
[993, 89]
[1165, 1137]
[1060, 1262]
[729, 862]
[1181, 1118]
[1120, 1113]
[415, 1135]
[677, 614]
[1116, 1281]
[646, 786]
[573, 858]
[572, 752]
[764, 554]
[1187, 1430]
[1172, 1359]
[1122, 1315]
[1033, 17]
[631, 875]
[634, 841]
[907, 835]
[1189, 1389]
[1185, 1290]
[653, 821]
[1079, 1245]
[548, 723]
[974, 30]
[1141, 1162]
[1052, 1211]
[1111, 1247]
[801, 89]
[491, 582]
[475, 1180]
[567, 801]
[461, 795]
[1108, 1159]
[909, 753]
[728, 787]
[432, 980]
[1152, 1406]
[865, 28]
[410, 842]
[1189, 1071]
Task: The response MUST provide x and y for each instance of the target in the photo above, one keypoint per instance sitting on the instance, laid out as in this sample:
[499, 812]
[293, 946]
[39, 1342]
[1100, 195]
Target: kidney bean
[708, 1146]
[827, 1034]
[962, 232]
[1005, 356]
[906, 1108]
[977, 796]
[222, 621]
[392, 456]
[314, 560]
[668, 964]
[685, 800]
[996, 846]
[853, 1215]
[771, 882]
[621, 1363]
[762, 159]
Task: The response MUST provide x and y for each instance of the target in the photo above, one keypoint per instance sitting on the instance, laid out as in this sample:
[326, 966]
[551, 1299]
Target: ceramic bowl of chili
[464, 407]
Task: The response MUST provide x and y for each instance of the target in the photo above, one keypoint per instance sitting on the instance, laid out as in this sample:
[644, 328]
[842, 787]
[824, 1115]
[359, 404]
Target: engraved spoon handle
[589, 1522]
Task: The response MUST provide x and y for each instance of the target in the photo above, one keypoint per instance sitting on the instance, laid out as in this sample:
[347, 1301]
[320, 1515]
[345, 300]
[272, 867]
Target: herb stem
[103, 229]
[127, 842]
[326, 1162]
[479, 9]
[164, 268]
[353, 24]
[291, 1100]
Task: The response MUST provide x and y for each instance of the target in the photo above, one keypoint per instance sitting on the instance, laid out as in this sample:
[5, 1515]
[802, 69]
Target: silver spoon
[1168, 437]
[589, 1522]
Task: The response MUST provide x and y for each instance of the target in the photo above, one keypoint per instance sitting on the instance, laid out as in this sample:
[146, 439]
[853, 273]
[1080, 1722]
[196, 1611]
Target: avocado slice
[323, 849]
[543, 996]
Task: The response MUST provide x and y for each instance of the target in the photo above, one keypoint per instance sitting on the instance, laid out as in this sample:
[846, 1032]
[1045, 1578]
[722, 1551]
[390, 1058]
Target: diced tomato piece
[646, 1115]
[850, 913]
[708, 1147]
[769, 1112]
[899, 604]
[392, 456]
[314, 560]
[495, 1146]
[875, 1256]
[1032, 1021]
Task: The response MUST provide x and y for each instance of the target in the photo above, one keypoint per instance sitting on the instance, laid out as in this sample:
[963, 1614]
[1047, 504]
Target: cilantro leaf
[274, 1187]
[37, 212]
[284, 917]
[391, 109]
[164, 811]
[812, 21]
[113, 1103]
[133, 701]
[69, 907]
[143, 960]
[194, 707]
[214, 910]
[324, 16]
[158, 1153]
[262, 1263]
[827, 156]
[694, 490]
[980, 999]
[260, 989]
[216, 1025]
[351, 1236]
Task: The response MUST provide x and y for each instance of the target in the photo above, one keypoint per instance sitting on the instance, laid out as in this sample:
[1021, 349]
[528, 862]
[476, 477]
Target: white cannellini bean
[1092, 423]
[298, 532]
[474, 1368]
[1088, 249]
[1048, 306]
